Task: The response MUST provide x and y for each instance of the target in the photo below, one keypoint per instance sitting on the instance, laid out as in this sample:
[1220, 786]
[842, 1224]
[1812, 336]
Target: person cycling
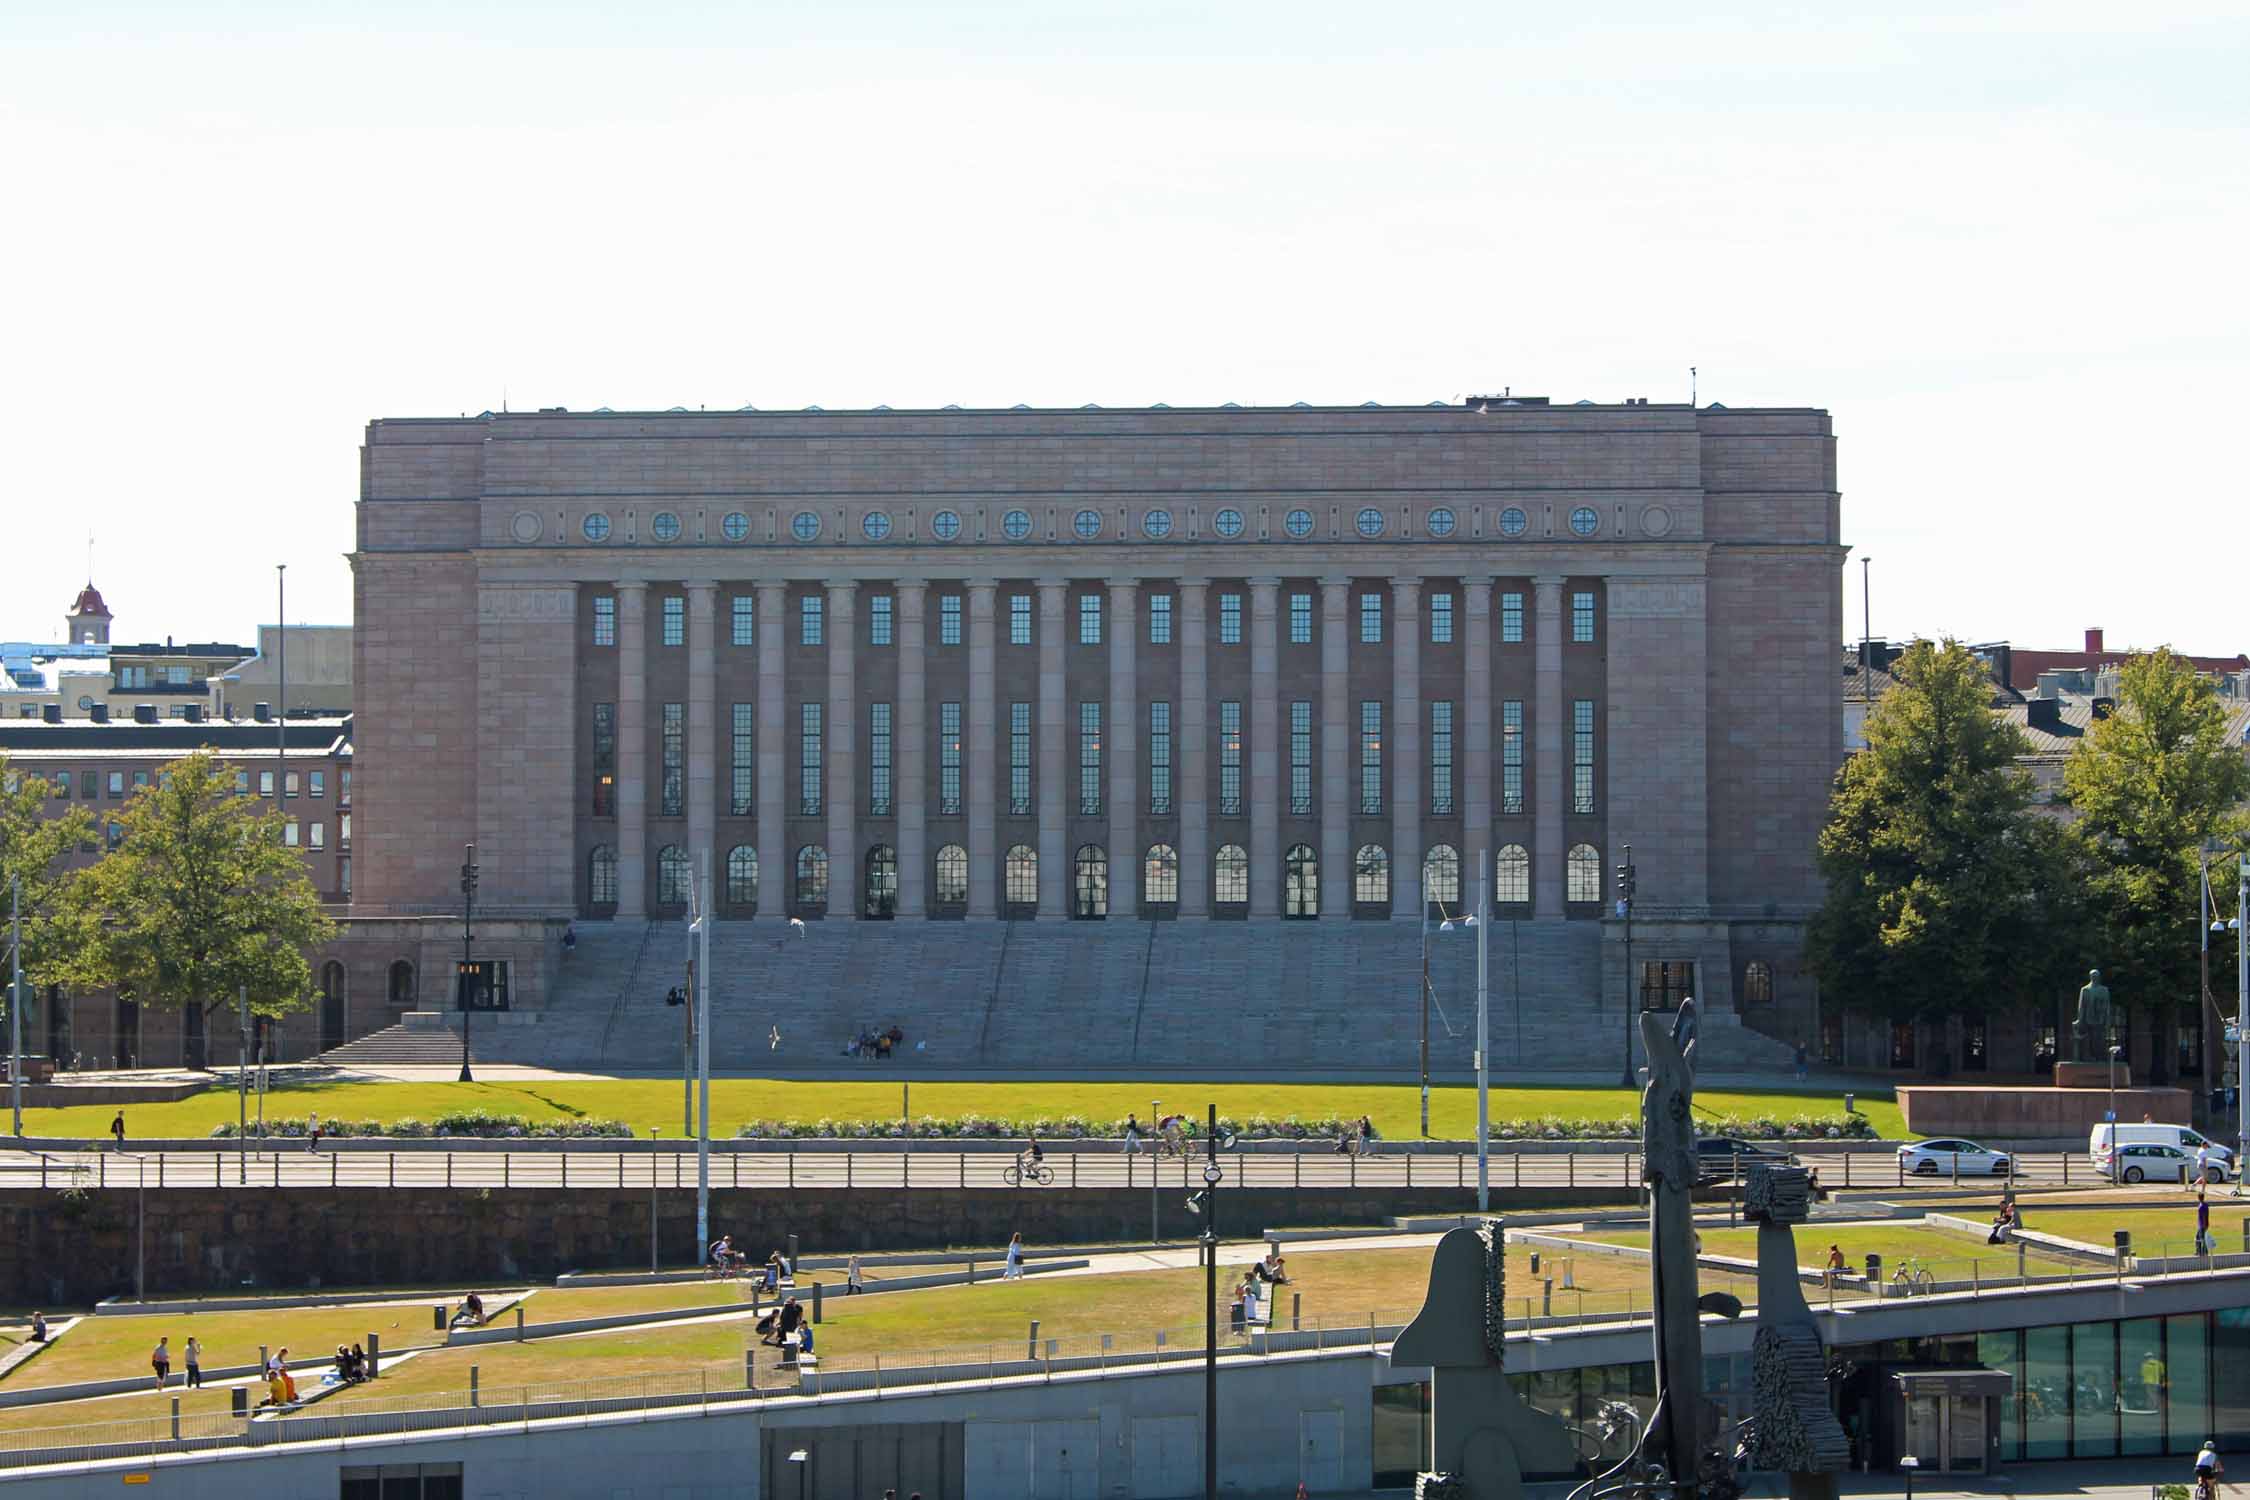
[2207, 1471]
[723, 1256]
[1029, 1158]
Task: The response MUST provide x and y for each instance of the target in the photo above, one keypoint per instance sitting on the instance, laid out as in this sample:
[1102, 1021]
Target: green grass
[2155, 1231]
[737, 1101]
[145, 1407]
[1948, 1255]
[117, 1347]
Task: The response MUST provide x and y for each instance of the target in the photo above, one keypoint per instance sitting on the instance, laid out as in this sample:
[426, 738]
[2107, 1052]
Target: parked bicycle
[1913, 1276]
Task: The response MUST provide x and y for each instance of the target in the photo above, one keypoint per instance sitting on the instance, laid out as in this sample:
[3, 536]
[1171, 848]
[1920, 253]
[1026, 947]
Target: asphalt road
[294, 1165]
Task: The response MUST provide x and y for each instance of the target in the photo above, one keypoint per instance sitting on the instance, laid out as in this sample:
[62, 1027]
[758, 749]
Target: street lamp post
[1481, 920]
[1211, 1176]
[652, 1130]
[1155, 1134]
[468, 912]
[2115, 1151]
[2241, 1013]
[1425, 997]
[1625, 883]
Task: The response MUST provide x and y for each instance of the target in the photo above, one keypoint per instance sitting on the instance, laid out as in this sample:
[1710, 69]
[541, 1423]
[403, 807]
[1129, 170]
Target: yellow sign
[136, 1479]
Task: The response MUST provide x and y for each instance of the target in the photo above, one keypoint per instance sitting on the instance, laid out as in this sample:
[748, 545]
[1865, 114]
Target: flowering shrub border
[473, 1123]
[1290, 1127]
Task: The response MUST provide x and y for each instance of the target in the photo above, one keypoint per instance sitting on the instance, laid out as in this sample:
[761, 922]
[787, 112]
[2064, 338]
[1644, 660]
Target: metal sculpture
[1791, 1427]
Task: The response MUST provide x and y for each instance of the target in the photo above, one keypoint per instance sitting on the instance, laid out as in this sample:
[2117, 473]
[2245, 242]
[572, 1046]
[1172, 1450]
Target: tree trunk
[195, 1045]
[2160, 1029]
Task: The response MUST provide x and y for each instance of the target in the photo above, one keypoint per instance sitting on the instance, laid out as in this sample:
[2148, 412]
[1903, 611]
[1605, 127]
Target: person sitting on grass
[776, 1269]
[1272, 1269]
[471, 1312]
[1236, 1315]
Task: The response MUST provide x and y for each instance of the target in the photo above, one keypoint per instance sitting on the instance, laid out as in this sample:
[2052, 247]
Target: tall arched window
[952, 876]
[1371, 875]
[881, 902]
[1583, 873]
[672, 876]
[1300, 884]
[1512, 876]
[1757, 982]
[812, 880]
[1090, 888]
[742, 876]
[1441, 877]
[601, 876]
[402, 983]
[1230, 876]
[1020, 877]
[1160, 876]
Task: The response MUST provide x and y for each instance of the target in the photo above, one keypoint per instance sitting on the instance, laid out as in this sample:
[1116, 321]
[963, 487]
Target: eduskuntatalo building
[1106, 735]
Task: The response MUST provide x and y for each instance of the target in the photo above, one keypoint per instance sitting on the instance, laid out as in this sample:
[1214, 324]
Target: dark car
[1721, 1157]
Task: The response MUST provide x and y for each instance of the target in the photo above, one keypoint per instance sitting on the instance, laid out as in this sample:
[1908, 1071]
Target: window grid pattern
[742, 762]
[1160, 619]
[601, 876]
[674, 793]
[1370, 757]
[1371, 876]
[743, 620]
[1300, 619]
[809, 768]
[1441, 757]
[1512, 876]
[1160, 876]
[605, 760]
[1511, 756]
[1582, 874]
[675, 620]
[1230, 758]
[949, 760]
[1089, 619]
[1230, 619]
[742, 876]
[1581, 617]
[1230, 876]
[1019, 759]
[1160, 759]
[1371, 619]
[878, 760]
[1089, 759]
[1441, 619]
[1022, 875]
[809, 620]
[1582, 755]
[879, 620]
[605, 619]
[1300, 760]
[953, 875]
[949, 620]
[1511, 619]
[1019, 619]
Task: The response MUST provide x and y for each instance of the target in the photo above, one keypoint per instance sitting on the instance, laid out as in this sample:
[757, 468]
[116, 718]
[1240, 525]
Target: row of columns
[1267, 772]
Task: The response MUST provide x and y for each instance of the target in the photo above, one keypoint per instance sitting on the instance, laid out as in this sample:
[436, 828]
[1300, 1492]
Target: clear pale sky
[2003, 244]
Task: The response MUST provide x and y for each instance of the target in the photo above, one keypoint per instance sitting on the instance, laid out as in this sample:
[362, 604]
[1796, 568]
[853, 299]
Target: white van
[2106, 1136]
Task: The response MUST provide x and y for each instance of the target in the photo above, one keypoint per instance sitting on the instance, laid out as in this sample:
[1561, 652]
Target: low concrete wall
[126, 1307]
[1983, 1111]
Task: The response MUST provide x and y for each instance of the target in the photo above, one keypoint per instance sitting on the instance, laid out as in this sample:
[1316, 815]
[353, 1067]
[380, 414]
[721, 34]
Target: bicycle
[1913, 1275]
[1015, 1172]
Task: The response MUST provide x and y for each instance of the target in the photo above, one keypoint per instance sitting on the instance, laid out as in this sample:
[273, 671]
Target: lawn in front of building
[1948, 1256]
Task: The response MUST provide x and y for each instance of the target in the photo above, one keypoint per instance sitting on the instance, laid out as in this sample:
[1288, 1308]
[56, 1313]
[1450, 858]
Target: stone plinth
[2092, 1075]
[2030, 1113]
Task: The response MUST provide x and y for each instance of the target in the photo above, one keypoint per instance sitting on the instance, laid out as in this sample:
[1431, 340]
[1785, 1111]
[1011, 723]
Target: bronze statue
[2095, 1019]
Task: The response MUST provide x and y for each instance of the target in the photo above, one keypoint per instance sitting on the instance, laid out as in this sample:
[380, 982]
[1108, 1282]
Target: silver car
[1949, 1158]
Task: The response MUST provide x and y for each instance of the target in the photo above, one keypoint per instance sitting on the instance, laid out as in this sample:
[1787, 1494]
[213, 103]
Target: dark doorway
[126, 1035]
[331, 1005]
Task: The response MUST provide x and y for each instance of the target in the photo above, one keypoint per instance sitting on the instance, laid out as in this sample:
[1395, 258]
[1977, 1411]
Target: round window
[1157, 523]
[945, 525]
[876, 525]
[595, 527]
[665, 526]
[1299, 523]
[1512, 522]
[1370, 522]
[1227, 523]
[1441, 522]
[1016, 525]
[804, 526]
[1088, 524]
[1585, 520]
[736, 525]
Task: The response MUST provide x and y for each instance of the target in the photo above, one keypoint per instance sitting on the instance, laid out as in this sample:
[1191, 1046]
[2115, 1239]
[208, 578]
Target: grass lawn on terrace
[1948, 1255]
[145, 1415]
[737, 1101]
[116, 1347]
[2155, 1231]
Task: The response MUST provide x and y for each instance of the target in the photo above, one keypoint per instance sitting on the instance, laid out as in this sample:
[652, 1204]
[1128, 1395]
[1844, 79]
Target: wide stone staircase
[1241, 998]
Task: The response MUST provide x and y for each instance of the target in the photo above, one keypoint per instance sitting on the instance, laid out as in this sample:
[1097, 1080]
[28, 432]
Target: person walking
[852, 1287]
[2202, 1222]
[160, 1360]
[193, 1355]
[2202, 1166]
[1014, 1272]
[312, 1132]
[117, 1130]
[1132, 1135]
[1800, 1062]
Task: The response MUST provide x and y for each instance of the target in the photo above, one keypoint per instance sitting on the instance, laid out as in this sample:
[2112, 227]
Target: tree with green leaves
[1946, 891]
[2151, 785]
[201, 900]
[36, 837]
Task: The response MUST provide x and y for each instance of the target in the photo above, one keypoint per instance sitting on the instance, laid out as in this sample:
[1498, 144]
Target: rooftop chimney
[2044, 713]
[195, 713]
[262, 712]
[99, 713]
[51, 712]
[2094, 639]
[144, 713]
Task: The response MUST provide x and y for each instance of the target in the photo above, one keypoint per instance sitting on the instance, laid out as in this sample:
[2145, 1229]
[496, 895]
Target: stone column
[1190, 757]
[1265, 749]
[632, 752]
[1547, 747]
[776, 874]
[702, 734]
[842, 751]
[1126, 738]
[1476, 742]
[909, 755]
[978, 765]
[1405, 748]
[1339, 787]
[1056, 792]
